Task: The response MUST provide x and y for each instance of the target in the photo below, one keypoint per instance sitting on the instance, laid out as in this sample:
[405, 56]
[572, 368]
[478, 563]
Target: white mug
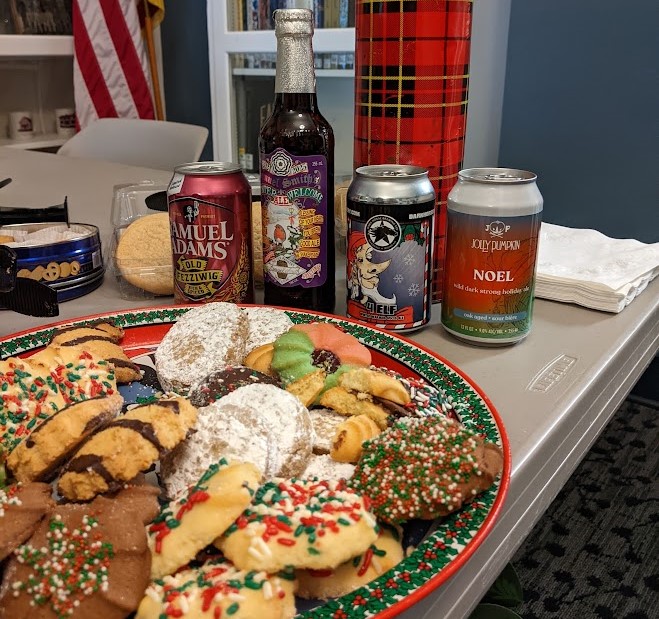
[21, 125]
[65, 121]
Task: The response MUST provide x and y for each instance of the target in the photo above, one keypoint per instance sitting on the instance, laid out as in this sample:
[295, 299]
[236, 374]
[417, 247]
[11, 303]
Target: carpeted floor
[595, 553]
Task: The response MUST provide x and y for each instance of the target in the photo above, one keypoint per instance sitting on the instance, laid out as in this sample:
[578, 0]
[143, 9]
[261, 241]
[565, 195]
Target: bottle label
[295, 226]
[489, 275]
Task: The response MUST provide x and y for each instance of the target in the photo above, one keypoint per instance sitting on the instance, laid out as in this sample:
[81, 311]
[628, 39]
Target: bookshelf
[239, 93]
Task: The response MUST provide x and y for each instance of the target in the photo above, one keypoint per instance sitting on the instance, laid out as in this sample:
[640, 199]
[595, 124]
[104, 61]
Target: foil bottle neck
[295, 65]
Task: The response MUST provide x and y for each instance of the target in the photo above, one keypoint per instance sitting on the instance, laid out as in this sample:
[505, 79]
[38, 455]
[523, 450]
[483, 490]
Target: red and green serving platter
[441, 548]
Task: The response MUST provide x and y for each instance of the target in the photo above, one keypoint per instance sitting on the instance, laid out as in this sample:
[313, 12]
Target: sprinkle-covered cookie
[300, 523]
[191, 522]
[219, 589]
[222, 382]
[424, 468]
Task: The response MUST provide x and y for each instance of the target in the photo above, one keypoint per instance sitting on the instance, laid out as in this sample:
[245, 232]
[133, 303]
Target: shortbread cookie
[302, 524]
[52, 442]
[83, 561]
[425, 468]
[381, 556]
[32, 392]
[144, 254]
[266, 324]
[202, 513]
[349, 403]
[206, 338]
[261, 424]
[222, 382]
[260, 359]
[125, 447]
[22, 506]
[219, 589]
[350, 436]
[378, 385]
[114, 332]
[324, 421]
[309, 387]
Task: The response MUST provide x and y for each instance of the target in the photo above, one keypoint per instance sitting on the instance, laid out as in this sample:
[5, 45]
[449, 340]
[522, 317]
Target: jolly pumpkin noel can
[210, 222]
[390, 219]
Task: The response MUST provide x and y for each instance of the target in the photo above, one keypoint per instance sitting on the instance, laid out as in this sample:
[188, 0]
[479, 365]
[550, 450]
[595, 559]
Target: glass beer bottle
[296, 147]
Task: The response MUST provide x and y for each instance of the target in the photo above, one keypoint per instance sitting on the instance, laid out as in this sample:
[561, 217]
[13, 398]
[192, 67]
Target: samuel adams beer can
[210, 220]
[494, 219]
[390, 218]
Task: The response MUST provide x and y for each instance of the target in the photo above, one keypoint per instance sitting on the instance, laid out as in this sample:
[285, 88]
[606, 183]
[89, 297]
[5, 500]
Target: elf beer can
[210, 221]
[390, 219]
[493, 223]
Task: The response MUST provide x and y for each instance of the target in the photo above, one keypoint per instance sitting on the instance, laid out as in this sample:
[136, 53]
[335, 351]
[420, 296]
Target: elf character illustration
[364, 275]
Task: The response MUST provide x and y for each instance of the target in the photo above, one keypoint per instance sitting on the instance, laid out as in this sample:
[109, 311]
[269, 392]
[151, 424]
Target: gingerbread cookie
[219, 589]
[83, 561]
[125, 447]
[206, 338]
[22, 506]
[424, 468]
[144, 254]
[300, 523]
[381, 556]
[50, 443]
[205, 511]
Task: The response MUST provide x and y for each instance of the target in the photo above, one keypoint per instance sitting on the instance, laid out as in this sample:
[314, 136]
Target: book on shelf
[244, 15]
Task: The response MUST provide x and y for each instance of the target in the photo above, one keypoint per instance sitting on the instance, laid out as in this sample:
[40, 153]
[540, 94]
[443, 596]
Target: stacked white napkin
[591, 269]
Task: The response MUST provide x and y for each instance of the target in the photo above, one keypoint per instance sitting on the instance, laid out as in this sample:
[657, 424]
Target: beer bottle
[296, 147]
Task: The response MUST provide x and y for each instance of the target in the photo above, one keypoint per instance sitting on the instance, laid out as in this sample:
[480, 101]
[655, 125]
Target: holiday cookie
[144, 254]
[323, 466]
[325, 422]
[219, 589]
[94, 330]
[306, 348]
[83, 561]
[381, 556]
[32, 392]
[260, 359]
[259, 423]
[202, 513]
[348, 403]
[53, 440]
[424, 468]
[266, 324]
[22, 506]
[350, 436]
[300, 523]
[206, 338]
[222, 382]
[125, 447]
[309, 387]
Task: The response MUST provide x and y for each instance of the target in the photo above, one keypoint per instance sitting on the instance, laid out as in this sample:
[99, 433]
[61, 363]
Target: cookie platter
[434, 550]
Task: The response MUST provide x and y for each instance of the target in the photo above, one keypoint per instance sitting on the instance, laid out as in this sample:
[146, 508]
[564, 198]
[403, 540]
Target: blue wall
[581, 109]
[184, 38]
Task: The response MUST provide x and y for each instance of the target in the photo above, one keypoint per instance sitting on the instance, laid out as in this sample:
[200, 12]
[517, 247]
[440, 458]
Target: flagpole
[153, 64]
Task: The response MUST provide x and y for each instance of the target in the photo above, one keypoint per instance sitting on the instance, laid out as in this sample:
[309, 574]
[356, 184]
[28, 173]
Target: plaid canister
[411, 84]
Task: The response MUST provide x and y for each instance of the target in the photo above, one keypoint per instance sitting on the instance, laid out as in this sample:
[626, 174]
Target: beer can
[390, 218]
[493, 223]
[210, 220]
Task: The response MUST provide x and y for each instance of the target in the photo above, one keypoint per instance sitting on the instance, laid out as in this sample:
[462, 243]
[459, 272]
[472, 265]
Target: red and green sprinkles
[292, 512]
[416, 467]
[219, 585]
[73, 565]
[27, 397]
[9, 497]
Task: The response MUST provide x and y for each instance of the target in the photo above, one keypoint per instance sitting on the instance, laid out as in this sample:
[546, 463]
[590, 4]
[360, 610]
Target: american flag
[111, 74]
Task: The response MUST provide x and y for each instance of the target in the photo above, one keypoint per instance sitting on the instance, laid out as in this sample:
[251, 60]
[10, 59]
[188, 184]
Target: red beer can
[210, 221]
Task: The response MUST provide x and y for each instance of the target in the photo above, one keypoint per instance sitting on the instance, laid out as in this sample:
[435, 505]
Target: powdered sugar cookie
[300, 523]
[266, 324]
[205, 339]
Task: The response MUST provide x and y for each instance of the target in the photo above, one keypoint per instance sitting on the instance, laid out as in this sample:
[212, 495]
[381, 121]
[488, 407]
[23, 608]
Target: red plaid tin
[411, 84]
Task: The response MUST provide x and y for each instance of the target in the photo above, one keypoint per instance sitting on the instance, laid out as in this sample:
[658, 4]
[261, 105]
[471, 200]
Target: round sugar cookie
[300, 523]
[203, 512]
[144, 254]
[266, 324]
[219, 589]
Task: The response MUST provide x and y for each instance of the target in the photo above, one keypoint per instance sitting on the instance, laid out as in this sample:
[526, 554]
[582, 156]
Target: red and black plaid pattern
[411, 84]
